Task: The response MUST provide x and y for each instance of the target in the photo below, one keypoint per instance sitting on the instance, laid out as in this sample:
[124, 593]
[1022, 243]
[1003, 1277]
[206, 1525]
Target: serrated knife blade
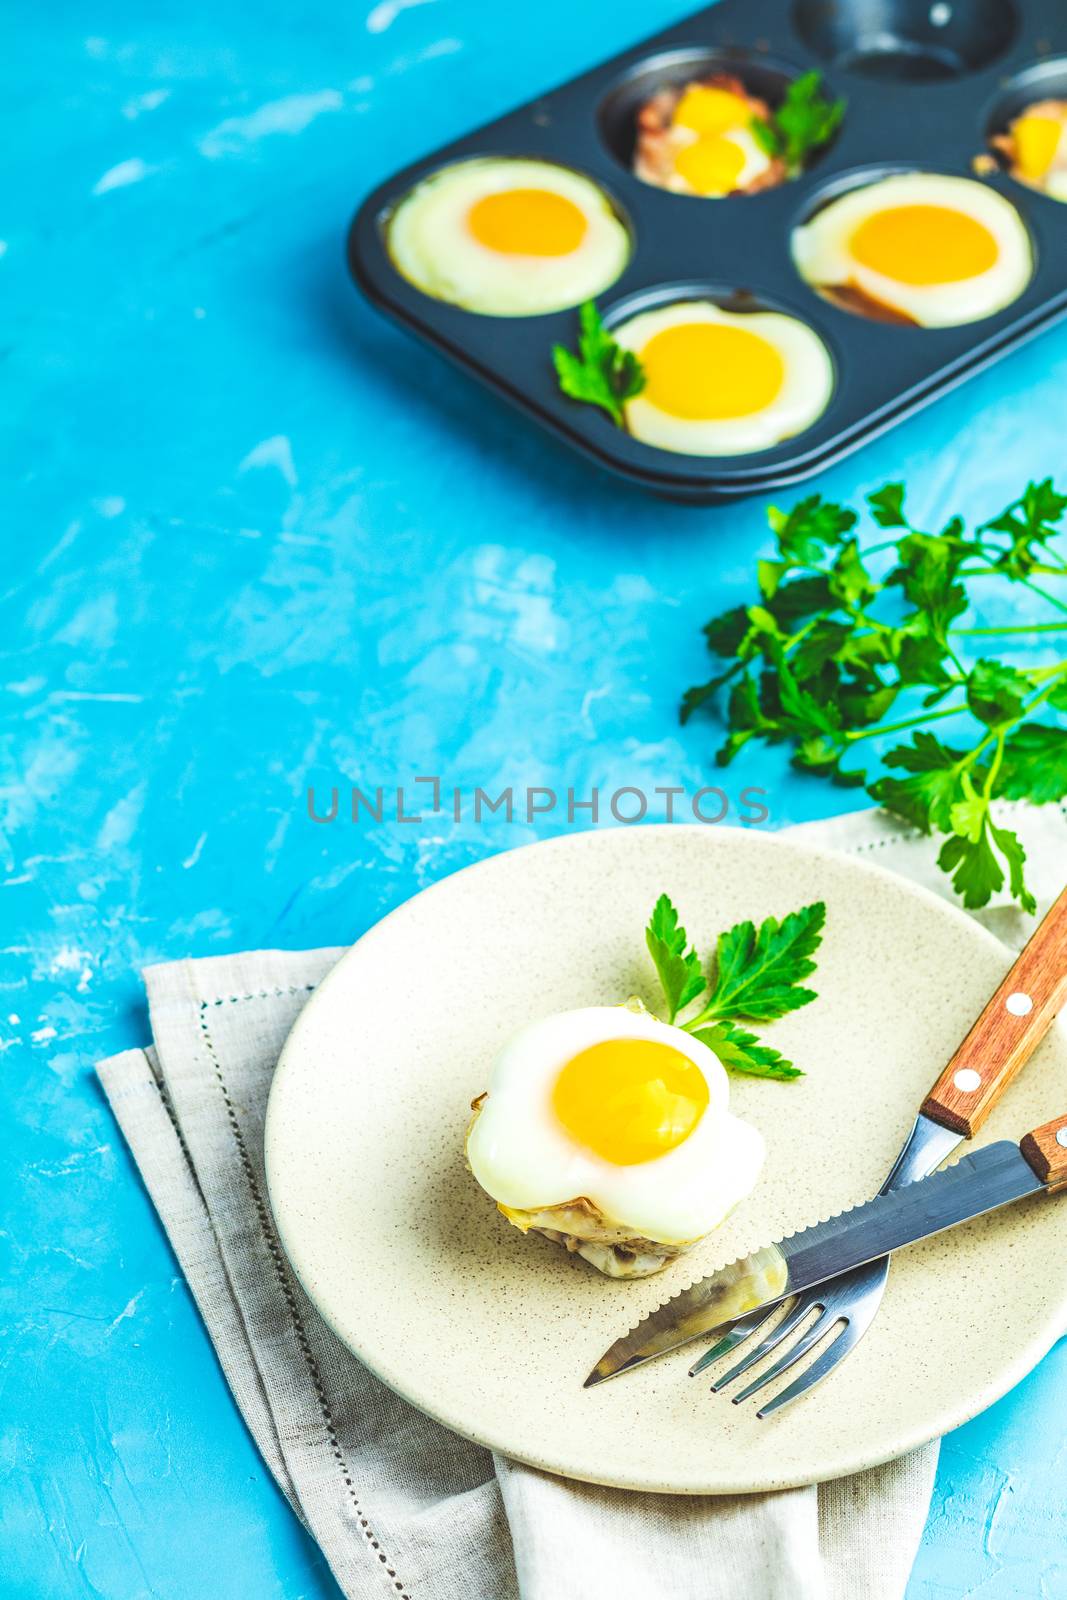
[990, 1178]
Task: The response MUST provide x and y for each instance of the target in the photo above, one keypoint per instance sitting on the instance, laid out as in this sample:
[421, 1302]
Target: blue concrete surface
[256, 539]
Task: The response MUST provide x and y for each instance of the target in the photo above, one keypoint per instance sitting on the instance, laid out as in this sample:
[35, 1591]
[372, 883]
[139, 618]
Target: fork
[833, 1317]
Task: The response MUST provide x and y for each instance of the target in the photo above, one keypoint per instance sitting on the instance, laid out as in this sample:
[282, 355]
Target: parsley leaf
[602, 373]
[996, 692]
[925, 798]
[972, 864]
[887, 506]
[679, 969]
[1034, 766]
[804, 532]
[742, 1052]
[844, 642]
[758, 972]
[757, 977]
[1030, 522]
[804, 121]
[970, 855]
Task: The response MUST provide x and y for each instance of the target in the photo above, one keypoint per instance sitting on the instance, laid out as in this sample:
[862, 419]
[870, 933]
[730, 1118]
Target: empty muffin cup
[907, 41]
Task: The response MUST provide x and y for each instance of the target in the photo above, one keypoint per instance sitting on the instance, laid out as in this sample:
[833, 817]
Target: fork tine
[789, 1324]
[737, 1333]
[823, 1325]
[839, 1347]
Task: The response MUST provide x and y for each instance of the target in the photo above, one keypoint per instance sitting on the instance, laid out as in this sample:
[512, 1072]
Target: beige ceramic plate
[492, 1333]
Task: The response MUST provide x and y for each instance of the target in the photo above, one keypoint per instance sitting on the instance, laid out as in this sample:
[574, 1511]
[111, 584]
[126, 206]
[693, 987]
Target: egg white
[526, 1160]
[432, 246]
[805, 393]
[822, 254]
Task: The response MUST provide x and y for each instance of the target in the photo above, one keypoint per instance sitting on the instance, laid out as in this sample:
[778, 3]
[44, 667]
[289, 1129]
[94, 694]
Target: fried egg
[1035, 146]
[934, 250]
[611, 1107]
[706, 147]
[723, 383]
[508, 237]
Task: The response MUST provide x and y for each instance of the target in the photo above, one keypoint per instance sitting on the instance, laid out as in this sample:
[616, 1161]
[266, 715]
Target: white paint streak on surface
[121, 176]
[94, 625]
[61, 695]
[42, 1035]
[274, 452]
[587, 701]
[127, 1311]
[430, 52]
[440, 47]
[68, 959]
[386, 12]
[292, 114]
[194, 856]
[67, 538]
[121, 821]
[144, 102]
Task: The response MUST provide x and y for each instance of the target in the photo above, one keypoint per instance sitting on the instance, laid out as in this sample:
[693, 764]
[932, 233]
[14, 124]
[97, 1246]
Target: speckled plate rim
[954, 1414]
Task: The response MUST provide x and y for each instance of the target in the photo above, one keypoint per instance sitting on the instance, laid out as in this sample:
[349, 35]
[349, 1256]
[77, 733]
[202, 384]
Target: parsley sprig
[756, 976]
[804, 121]
[602, 373]
[839, 648]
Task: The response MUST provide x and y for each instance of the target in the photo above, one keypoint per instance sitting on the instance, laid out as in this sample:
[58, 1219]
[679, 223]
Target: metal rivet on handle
[1061, 1137]
[1019, 1004]
[968, 1080]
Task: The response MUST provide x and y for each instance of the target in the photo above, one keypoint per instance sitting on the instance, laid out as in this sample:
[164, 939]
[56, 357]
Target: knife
[1011, 1026]
[995, 1176]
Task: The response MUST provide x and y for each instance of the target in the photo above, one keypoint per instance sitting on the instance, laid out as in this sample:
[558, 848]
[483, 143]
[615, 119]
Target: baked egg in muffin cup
[720, 382]
[917, 247]
[508, 237]
[1033, 147]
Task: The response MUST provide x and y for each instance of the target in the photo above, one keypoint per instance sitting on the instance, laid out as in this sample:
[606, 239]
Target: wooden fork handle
[1008, 1031]
[1046, 1151]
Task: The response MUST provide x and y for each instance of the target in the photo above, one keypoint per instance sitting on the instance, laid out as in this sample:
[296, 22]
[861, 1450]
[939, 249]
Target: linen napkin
[399, 1506]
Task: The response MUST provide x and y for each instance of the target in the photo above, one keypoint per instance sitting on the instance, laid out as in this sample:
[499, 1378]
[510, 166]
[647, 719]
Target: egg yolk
[630, 1100]
[712, 164]
[527, 222]
[709, 110]
[1036, 141]
[705, 371]
[924, 245]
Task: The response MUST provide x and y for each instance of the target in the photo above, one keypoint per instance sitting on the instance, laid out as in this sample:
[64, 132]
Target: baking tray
[925, 84]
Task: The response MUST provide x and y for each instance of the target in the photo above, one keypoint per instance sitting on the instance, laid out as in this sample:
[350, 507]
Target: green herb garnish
[602, 373]
[831, 654]
[756, 976]
[804, 121]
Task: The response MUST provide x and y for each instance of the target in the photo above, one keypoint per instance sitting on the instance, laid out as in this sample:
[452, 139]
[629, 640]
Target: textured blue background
[256, 539]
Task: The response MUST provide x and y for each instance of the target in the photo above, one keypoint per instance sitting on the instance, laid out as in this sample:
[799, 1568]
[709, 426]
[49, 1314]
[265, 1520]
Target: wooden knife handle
[1007, 1033]
[1046, 1151]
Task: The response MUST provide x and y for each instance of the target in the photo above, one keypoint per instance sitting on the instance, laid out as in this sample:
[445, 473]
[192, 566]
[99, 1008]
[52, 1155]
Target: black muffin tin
[925, 83]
